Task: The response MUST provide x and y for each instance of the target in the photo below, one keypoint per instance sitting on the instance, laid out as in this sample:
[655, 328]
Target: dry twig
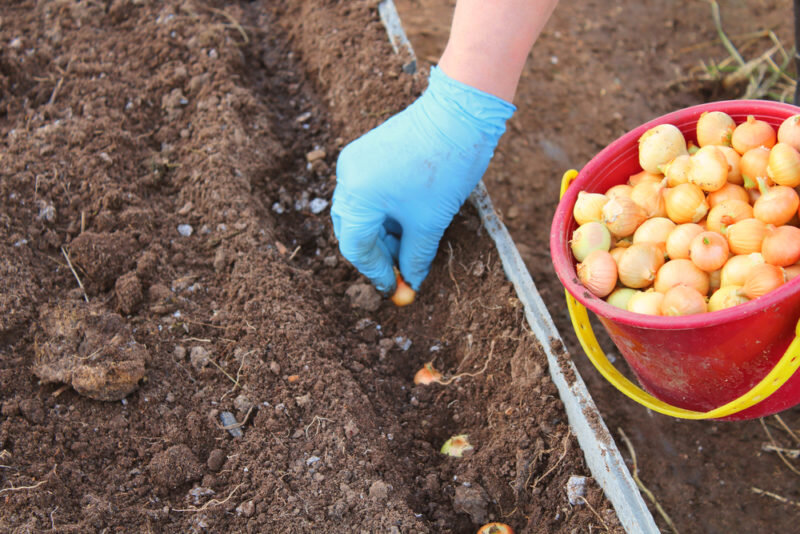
[448, 381]
[75, 274]
[775, 496]
[318, 420]
[450, 270]
[558, 462]
[641, 485]
[787, 429]
[212, 502]
[777, 448]
[598, 516]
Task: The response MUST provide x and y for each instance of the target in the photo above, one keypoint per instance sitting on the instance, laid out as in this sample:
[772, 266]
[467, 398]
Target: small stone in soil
[247, 509]
[185, 230]
[174, 467]
[364, 296]
[229, 420]
[199, 357]
[473, 501]
[379, 490]
[242, 403]
[216, 459]
[576, 489]
[315, 155]
[317, 205]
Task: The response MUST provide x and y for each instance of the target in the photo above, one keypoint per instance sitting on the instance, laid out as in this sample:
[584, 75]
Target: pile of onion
[706, 224]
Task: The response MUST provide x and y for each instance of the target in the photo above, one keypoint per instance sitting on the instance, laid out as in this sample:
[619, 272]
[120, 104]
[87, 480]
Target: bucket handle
[779, 374]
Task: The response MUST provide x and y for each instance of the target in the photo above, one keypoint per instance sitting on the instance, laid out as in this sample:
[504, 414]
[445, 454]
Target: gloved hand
[400, 185]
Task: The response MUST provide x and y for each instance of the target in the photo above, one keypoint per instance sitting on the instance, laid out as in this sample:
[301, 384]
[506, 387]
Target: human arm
[400, 185]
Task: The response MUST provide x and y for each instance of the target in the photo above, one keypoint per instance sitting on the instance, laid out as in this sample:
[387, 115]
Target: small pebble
[185, 230]
[315, 155]
[317, 205]
[216, 460]
[576, 489]
[228, 420]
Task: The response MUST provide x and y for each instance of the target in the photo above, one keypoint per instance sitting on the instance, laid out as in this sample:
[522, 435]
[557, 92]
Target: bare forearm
[490, 41]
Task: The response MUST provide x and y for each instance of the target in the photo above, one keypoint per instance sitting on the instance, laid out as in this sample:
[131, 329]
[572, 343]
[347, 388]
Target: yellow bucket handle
[782, 371]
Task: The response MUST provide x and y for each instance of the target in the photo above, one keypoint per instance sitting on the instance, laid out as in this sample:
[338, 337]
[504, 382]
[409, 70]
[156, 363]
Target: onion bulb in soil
[746, 236]
[495, 528]
[589, 237]
[598, 273]
[709, 251]
[646, 302]
[736, 269]
[403, 295]
[679, 239]
[683, 300]
[681, 272]
[660, 145]
[727, 213]
[777, 205]
[762, 279]
[588, 207]
[726, 297]
[752, 133]
[620, 297]
[789, 132]
[427, 375]
[715, 128]
[457, 446]
[639, 264]
[781, 245]
[708, 168]
[783, 165]
[685, 203]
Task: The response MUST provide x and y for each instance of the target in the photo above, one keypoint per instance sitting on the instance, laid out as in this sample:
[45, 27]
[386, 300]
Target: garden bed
[181, 346]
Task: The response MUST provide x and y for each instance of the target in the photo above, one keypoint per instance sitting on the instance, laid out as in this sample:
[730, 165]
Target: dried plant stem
[775, 496]
[598, 516]
[450, 270]
[450, 380]
[787, 429]
[641, 485]
[74, 273]
[555, 465]
[212, 502]
[777, 448]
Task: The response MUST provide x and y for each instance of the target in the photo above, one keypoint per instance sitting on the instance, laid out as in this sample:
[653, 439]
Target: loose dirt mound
[166, 173]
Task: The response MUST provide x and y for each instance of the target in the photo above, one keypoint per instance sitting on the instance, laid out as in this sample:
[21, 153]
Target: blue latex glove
[400, 185]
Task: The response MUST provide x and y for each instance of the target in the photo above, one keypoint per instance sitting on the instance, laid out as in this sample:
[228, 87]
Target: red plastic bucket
[697, 362]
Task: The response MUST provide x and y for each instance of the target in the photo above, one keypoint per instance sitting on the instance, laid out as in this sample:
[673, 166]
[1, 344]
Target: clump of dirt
[172, 164]
[90, 349]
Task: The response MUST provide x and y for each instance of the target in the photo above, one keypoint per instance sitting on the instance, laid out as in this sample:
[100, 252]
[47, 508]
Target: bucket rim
[559, 239]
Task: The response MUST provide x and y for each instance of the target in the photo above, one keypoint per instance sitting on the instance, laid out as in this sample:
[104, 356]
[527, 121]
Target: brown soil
[599, 70]
[182, 349]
